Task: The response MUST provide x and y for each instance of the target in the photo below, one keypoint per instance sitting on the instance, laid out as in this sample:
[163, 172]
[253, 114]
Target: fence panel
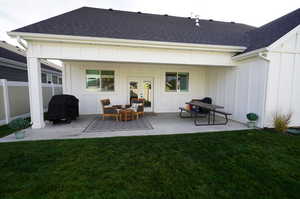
[47, 94]
[14, 99]
[18, 95]
[2, 106]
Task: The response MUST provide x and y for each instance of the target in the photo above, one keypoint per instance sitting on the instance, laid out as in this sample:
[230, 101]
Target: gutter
[124, 42]
[19, 40]
[263, 55]
[259, 52]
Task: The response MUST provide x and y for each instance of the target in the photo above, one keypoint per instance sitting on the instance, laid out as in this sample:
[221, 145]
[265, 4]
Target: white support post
[6, 101]
[35, 92]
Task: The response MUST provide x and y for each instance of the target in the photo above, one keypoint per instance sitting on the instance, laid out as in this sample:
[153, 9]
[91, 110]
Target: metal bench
[222, 113]
[191, 112]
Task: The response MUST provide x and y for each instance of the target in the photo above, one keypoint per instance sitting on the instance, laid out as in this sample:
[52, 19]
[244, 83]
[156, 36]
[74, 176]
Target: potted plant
[252, 118]
[19, 125]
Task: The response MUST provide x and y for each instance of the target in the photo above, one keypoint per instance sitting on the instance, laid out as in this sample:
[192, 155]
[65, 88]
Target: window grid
[178, 85]
[100, 80]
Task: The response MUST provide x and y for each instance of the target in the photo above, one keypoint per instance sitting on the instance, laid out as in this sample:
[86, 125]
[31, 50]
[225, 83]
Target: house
[168, 60]
[13, 66]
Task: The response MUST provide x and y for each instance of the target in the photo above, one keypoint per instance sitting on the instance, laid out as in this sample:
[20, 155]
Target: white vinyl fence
[14, 99]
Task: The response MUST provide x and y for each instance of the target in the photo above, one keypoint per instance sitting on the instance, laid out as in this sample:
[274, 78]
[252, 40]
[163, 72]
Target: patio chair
[109, 111]
[138, 105]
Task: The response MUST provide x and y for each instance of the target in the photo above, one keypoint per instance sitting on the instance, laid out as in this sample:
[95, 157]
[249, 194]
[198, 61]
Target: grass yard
[246, 164]
[5, 130]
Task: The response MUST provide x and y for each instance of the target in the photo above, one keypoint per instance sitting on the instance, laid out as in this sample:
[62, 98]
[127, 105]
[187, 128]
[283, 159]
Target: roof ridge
[163, 15]
[284, 16]
[270, 32]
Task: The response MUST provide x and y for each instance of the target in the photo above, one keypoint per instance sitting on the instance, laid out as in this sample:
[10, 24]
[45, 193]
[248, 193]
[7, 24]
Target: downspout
[19, 40]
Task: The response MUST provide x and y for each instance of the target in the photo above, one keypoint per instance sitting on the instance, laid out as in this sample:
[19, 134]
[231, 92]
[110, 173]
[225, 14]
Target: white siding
[112, 53]
[163, 101]
[240, 89]
[283, 86]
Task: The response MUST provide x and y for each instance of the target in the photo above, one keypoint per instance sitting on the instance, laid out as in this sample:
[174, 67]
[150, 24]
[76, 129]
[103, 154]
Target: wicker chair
[140, 109]
[109, 111]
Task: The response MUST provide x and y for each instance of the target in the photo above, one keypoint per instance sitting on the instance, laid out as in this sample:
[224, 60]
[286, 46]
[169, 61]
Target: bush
[19, 124]
[281, 122]
[252, 117]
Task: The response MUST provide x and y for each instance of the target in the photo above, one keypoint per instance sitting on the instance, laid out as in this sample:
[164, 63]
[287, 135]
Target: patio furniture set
[199, 108]
[196, 108]
[126, 112]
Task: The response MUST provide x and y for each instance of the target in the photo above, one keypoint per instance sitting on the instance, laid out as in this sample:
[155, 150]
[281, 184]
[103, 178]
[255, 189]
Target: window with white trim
[100, 80]
[177, 82]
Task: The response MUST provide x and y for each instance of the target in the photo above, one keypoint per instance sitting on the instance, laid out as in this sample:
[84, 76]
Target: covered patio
[162, 124]
[96, 68]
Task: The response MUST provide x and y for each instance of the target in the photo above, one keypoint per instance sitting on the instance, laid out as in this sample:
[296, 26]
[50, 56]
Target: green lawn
[5, 130]
[246, 164]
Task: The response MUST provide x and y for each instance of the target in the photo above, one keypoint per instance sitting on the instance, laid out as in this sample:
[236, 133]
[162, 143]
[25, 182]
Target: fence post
[53, 89]
[6, 101]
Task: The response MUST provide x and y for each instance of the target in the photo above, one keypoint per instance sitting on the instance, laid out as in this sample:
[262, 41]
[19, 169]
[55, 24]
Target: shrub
[252, 117]
[281, 122]
[19, 124]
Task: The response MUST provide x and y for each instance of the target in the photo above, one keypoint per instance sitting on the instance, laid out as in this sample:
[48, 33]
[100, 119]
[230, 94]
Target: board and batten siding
[283, 95]
[89, 101]
[125, 54]
[240, 89]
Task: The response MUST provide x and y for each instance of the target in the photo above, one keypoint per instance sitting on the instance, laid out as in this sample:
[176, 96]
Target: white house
[168, 60]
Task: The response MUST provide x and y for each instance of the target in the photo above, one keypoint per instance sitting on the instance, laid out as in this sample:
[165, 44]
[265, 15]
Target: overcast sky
[17, 13]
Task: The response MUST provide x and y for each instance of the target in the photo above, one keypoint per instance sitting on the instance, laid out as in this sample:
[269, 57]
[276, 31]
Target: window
[171, 81]
[100, 80]
[44, 78]
[107, 80]
[177, 82]
[60, 80]
[49, 78]
[183, 81]
[54, 79]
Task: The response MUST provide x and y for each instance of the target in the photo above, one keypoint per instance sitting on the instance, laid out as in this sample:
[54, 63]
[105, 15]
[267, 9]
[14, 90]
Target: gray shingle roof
[95, 22]
[271, 32]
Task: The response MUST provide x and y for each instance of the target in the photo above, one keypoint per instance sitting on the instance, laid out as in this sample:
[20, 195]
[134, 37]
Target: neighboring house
[13, 66]
[14, 91]
[169, 60]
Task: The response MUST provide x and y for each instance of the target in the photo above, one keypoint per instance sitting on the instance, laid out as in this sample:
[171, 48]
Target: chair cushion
[110, 111]
[135, 106]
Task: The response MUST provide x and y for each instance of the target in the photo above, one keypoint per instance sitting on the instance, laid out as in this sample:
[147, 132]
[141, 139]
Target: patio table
[212, 108]
[126, 115]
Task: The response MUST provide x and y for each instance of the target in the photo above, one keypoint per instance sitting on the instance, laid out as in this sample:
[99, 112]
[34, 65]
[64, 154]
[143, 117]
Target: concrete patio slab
[163, 124]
